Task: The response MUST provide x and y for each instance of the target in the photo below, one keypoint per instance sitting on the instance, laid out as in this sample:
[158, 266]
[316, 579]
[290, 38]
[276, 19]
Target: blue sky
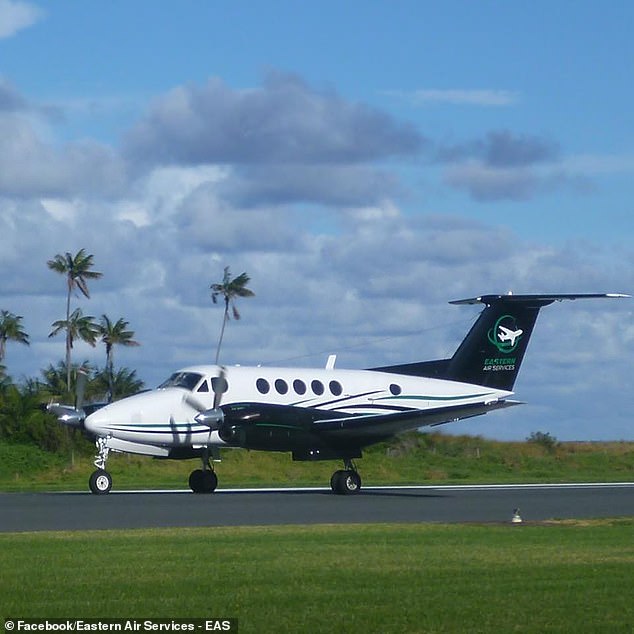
[364, 162]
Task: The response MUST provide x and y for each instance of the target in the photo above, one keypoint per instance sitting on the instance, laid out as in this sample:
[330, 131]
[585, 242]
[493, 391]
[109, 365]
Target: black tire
[334, 481]
[203, 481]
[209, 482]
[345, 482]
[196, 480]
[100, 482]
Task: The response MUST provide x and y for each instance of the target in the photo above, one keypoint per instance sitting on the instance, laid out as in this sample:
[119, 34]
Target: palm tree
[124, 382]
[77, 326]
[114, 334]
[77, 270]
[54, 383]
[54, 386]
[229, 289]
[11, 329]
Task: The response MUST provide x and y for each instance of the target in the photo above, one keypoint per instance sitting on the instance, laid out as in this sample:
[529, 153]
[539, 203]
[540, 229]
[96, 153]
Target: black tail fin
[492, 351]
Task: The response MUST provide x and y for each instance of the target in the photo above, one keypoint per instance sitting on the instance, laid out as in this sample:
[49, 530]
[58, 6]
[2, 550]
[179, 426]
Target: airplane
[314, 413]
[506, 334]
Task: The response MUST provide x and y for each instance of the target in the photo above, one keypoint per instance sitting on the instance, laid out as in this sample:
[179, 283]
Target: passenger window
[299, 386]
[204, 387]
[263, 386]
[395, 389]
[335, 388]
[281, 386]
[317, 387]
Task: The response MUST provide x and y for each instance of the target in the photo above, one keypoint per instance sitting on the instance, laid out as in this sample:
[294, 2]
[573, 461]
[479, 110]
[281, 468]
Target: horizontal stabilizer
[542, 300]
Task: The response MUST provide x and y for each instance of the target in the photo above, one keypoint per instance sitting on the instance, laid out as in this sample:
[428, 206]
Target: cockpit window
[187, 380]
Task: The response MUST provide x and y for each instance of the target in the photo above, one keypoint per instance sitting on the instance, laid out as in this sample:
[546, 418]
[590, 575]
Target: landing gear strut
[100, 481]
[346, 481]
[204, 480]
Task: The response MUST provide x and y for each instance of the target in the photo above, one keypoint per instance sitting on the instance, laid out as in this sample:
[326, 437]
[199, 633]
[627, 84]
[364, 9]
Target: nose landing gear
[100, 481]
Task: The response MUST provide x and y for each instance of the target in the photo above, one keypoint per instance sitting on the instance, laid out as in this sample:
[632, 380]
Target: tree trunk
[68, 337]
[222, 330]
[110, 371]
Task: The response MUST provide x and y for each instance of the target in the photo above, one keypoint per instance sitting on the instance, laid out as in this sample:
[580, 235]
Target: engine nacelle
[67, 415]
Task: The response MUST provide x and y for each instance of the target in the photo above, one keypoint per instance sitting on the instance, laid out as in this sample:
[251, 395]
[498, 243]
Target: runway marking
[408, 487]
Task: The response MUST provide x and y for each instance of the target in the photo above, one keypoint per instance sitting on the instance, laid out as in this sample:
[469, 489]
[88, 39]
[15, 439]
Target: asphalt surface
[82, 511]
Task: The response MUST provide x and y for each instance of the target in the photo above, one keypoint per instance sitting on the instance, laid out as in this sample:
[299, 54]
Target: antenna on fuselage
[330, 364]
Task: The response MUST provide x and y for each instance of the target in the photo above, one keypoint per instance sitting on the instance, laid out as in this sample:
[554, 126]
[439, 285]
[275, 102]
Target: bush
[543, 439]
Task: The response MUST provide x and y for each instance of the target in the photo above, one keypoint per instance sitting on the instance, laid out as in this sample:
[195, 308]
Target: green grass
[408, 459]
[560, 577]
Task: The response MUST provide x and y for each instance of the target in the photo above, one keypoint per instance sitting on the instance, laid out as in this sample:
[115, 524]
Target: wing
[289, 428]
[381, 425]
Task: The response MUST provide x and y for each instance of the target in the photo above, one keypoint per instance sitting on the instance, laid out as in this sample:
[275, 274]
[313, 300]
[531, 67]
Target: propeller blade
[80, 387]
[219, 386]
[213, 417]
[193, 402]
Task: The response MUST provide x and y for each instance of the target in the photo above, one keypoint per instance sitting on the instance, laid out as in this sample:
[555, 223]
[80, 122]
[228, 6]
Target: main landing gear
[100, 481]
[204, 480]
[346, 481]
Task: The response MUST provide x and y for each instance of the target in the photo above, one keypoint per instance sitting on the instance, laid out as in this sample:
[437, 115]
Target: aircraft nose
[96, 422]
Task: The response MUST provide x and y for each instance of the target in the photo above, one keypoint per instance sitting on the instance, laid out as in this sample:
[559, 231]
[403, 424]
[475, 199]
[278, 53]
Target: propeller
[219, 386]
[67, 414]
[80, 388]
[213, 417]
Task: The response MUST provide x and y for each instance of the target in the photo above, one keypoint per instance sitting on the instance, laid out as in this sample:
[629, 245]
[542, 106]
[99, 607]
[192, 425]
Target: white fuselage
[165, 417]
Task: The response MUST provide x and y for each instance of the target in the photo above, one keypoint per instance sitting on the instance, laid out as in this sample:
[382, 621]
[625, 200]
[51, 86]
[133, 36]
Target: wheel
[345, 482]
[209, 482]
[350, 482]
[334, 481]
[196, 480]
[203, 481]
[100, 482]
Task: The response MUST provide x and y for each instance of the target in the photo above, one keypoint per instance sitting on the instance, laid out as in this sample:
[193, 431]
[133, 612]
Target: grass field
[409, 459]
[560, 577]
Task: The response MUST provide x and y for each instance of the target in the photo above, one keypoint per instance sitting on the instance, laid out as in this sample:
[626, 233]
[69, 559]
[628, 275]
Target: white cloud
[31, 166]
[15, 16]
[460, 96]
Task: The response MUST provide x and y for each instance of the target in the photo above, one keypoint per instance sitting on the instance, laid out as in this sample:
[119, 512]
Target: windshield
[187, 380]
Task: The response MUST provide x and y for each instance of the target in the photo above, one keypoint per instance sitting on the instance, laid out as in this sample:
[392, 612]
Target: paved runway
[83, 511]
